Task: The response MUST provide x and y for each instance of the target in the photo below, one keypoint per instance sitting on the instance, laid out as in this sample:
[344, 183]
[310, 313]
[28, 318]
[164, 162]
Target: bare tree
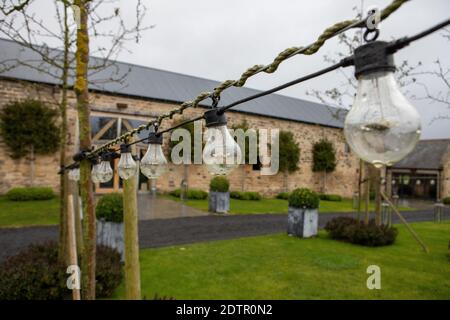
[440, 74]
[25, 28]
[8, 7]
[96, 20]
[340, 98]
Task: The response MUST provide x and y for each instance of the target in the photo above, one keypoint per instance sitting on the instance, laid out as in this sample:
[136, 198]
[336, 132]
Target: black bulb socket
[155, 138]
[125, 148]
[108, 156]
[214, 118]
[373, 57]
[79, 156]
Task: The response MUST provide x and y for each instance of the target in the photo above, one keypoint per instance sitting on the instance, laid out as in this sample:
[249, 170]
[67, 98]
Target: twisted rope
[252, 71]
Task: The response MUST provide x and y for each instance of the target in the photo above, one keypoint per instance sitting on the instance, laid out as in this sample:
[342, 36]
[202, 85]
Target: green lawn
[270, 205]
[28, 213]
[283, 267]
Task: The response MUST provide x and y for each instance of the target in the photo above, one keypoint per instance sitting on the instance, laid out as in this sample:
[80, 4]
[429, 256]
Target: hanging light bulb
[221, 153]
[95, 170]
[105, 172]
[74, 174]
[382, 127]
[127, 166]
[154, 164]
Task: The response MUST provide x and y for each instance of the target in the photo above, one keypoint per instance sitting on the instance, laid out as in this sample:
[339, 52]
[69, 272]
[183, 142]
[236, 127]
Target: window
[108, 128]
[103, 128]
[128, 124]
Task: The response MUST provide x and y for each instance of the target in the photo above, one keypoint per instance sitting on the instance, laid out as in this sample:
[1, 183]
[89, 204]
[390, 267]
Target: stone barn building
[147, 92]
[424, 173]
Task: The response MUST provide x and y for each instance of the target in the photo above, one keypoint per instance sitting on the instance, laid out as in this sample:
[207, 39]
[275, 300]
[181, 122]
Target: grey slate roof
[428, 154]
[164, 85]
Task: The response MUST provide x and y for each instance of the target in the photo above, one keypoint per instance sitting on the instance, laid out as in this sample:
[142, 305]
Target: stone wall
[342, 181]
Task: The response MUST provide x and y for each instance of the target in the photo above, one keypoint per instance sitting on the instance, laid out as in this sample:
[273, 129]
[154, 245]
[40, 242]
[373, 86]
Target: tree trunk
[360, 178]
[75, 192]
[82, 94]
[71, 241]
[377, 188]
[130, 217]
[367, 195]
[63, 180]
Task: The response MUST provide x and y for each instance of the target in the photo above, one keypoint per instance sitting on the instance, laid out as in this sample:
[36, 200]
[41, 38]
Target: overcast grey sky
[219, 39]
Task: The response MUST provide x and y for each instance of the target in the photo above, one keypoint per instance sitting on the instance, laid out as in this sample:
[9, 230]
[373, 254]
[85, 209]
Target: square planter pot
[111, 234]
[303, 223]
[219, 202]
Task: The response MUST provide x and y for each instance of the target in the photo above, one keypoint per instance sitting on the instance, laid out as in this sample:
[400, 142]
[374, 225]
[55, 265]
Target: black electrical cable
[181, 124]
[343, 63]
[403, 42]
[393, 47]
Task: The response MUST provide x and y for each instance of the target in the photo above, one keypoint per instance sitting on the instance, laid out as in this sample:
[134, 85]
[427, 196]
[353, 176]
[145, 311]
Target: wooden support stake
[367, 196]
[71, 241]
[414, 234]
[132, 266]
[360, 178]
[75, 192]
[377, 188]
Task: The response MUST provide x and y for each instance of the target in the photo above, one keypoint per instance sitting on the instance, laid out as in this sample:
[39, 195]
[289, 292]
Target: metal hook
[372, 21]
[376, 33]
[155, 127]
[215, 100]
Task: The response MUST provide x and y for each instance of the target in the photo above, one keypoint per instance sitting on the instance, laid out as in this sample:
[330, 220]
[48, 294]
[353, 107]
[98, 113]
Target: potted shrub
[110, 230]
[303, 215]
[219, 196]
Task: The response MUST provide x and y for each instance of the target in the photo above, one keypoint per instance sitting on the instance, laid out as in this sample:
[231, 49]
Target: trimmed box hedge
[248, 195]
[192, 194]
[219, 184]
[446, 200]
[110, 208]
[303, 198]
[30, 194]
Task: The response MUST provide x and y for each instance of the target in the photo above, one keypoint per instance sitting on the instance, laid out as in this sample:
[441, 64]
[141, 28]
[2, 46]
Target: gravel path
[168, 232]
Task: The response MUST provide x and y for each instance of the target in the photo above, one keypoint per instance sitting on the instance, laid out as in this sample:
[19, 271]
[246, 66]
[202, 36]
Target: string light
[154, 163]
[221, 153]
[382, 127]
[95, 169]
[74, 174]
[371, 140]
[104, 172]
[127, 166]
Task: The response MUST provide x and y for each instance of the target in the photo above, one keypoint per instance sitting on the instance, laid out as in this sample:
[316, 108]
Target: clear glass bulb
[105, 172]
[221, 153]
[74, 174]
[154, 163]
[127, 166]
[382, 127]
[94, 173]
